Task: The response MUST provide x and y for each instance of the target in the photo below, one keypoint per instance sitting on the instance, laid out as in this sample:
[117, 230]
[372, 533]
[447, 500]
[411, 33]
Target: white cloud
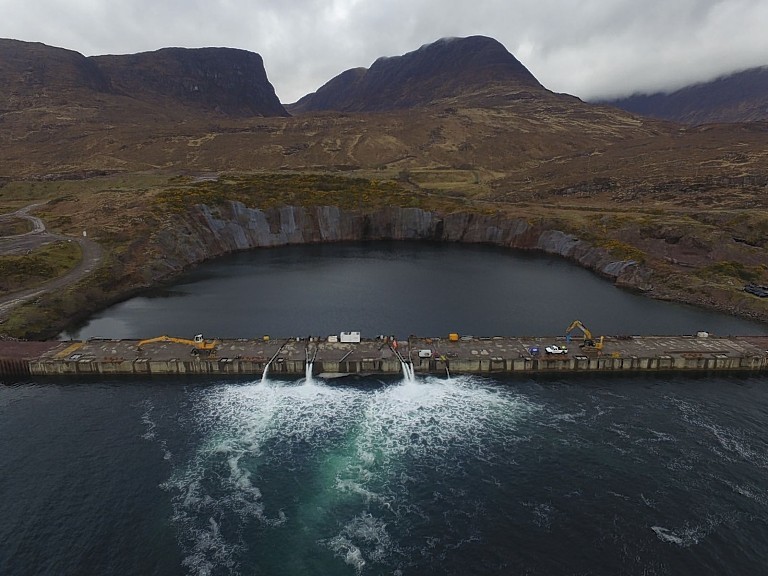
[590, 48]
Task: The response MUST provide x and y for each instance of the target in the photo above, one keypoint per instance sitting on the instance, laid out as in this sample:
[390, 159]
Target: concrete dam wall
[332, 358]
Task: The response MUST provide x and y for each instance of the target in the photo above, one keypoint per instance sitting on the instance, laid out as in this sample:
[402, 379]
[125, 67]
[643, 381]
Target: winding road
[39, 236]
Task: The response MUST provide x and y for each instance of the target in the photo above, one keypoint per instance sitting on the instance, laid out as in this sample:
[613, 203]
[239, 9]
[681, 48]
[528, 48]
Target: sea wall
[330, 358]
[205, 232]
[477, 366]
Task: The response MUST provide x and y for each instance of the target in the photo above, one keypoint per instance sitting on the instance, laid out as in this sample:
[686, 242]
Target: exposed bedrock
[206, 232]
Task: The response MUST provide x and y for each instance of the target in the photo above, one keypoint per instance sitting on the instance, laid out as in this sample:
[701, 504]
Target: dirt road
[39, 236]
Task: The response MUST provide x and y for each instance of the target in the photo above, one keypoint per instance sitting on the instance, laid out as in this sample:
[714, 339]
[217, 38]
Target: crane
[197, 343]
[589, 341]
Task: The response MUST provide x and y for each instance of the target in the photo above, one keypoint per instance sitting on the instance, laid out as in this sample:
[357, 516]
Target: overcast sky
[589, 48]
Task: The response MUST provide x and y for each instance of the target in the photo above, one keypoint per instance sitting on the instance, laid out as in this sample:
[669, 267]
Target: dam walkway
[327, 358]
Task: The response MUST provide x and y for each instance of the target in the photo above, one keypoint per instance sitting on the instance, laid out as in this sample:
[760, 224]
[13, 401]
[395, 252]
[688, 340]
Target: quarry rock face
[207, 232]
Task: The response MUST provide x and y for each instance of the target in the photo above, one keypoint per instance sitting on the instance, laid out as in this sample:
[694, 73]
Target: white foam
[733, 441]
[350, 553]
[755, 494]
[666, 536]
[365, 536]
[542, 513]
[656, 436]
[366, 440]
[210, 551]
[647, 501]
[684, 537]
[146, 419]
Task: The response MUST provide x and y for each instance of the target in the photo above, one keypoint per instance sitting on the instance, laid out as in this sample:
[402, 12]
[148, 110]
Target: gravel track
[39, 236]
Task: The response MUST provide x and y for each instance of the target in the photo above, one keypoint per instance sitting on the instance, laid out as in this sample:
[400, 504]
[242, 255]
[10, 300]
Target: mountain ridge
[442, 69]
[230, 81]
[214, 108]
[737, 97]
[220, 80]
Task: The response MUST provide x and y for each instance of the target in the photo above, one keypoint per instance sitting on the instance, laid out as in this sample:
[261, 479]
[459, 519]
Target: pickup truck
[555, 350]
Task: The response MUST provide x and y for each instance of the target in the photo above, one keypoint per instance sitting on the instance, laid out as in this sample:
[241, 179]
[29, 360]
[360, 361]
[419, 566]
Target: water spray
[266, 367]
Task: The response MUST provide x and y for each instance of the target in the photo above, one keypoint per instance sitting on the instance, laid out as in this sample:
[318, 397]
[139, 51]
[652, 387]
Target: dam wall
[329, 358]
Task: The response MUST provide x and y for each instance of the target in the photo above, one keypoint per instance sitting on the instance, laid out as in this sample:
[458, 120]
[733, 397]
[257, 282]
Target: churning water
[426, 476]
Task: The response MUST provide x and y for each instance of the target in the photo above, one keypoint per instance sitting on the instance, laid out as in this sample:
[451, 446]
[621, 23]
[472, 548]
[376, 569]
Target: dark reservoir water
[397, 288]
[438, 476]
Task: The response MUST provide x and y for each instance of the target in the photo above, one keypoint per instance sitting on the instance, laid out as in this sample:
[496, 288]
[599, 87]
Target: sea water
[464, 475]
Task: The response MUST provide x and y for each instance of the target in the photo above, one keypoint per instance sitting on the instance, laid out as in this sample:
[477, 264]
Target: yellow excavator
[198, 343]
[589, 341]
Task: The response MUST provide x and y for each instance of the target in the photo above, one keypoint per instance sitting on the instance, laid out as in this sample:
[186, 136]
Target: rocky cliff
[224, 80]
[207, 232]
[34, 77]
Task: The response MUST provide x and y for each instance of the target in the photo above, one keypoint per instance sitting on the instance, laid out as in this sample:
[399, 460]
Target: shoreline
[222, 230]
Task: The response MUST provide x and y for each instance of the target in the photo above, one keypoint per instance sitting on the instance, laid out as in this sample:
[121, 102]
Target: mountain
[226, 81]
[136, 148]
[472, 67]
[739, 97]
[459, 112]
[464, 102]
[33, 74]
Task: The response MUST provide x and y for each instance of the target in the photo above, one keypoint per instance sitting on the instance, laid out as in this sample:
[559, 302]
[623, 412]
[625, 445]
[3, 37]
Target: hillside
[58, 107]
[142, 149]
[214, 109]
[739, 97]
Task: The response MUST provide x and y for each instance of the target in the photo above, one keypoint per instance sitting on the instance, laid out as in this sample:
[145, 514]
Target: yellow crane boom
[589, 341]
[577, 324]
[197, 342]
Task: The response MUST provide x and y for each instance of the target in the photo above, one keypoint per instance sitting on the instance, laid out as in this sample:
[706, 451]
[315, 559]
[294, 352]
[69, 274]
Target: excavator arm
[577, 324]
[589, 341]
[155, 339]
[199, 343]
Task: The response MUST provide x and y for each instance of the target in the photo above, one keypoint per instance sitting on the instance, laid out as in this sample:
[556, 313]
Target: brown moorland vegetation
[690, 204]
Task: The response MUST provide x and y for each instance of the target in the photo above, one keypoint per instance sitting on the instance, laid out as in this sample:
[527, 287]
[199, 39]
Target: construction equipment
[198, 343]
[589, 341]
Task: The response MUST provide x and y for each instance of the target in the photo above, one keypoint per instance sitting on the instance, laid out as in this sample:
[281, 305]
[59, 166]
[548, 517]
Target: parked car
[556, 350]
